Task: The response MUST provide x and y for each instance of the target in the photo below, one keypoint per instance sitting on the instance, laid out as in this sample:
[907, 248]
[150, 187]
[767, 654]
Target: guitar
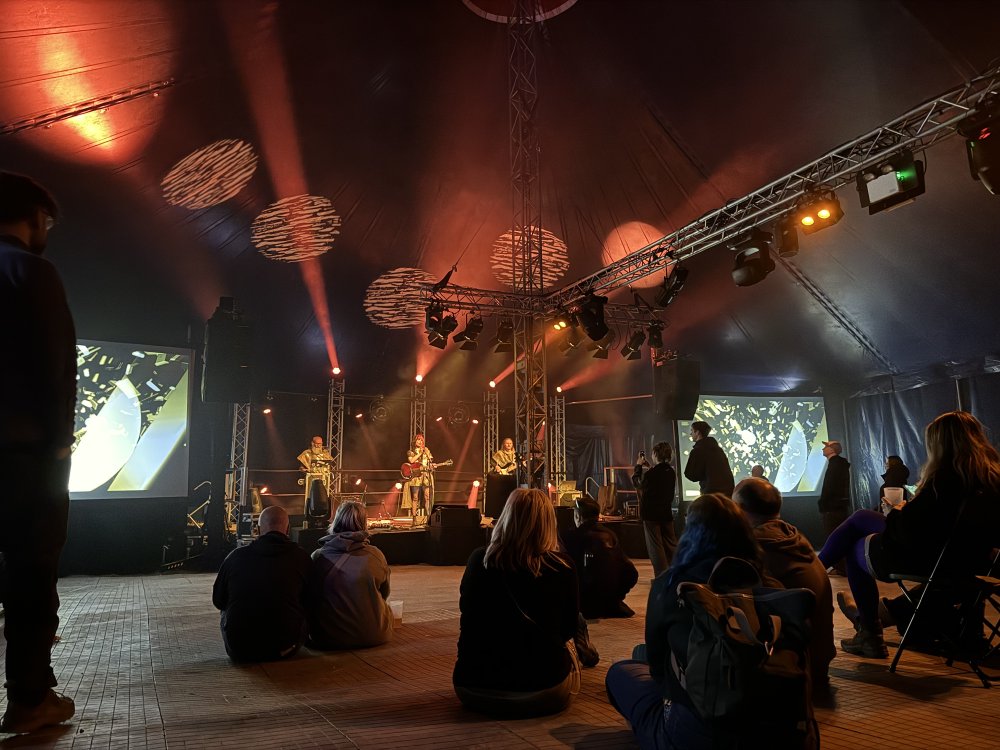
[416, 469]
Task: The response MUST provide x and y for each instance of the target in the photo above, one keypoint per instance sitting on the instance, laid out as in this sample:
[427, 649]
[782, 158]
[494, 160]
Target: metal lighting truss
[418, 409]
[527, 267]
[335, 429]
[238, 465]
[491, 428]
[556, 438]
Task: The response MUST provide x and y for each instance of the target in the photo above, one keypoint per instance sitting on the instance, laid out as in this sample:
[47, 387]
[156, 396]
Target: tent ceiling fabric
[395, 115]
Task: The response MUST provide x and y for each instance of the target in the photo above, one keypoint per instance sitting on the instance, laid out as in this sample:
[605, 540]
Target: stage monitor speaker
[676, 388]
[498, 489]
[454, 516]
[226, 374]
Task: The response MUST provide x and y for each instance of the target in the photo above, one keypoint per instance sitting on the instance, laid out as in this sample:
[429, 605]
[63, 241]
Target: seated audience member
[606, 574]
[961, 466]
[348, 586]
[519, 605]
[790, 558]
[897, 474]
[757, 472]
[260, 590]
[715, 528]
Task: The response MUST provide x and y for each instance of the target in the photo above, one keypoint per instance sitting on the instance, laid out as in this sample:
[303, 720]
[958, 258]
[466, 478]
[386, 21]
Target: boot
[584, 648]
[23, 719]
[867, 642]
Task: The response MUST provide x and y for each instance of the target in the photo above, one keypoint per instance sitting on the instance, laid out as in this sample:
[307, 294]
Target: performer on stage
[421, 487]
[505, 460]
[315, 452]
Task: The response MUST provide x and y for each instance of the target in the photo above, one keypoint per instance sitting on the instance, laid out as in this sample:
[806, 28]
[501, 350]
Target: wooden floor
[143, 659]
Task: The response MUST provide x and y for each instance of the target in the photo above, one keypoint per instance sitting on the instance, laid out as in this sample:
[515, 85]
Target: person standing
[36, 436]
[422, 481]
[315, 457]
[835, 493]
[656, 487]
[505, 460]
[707, 463]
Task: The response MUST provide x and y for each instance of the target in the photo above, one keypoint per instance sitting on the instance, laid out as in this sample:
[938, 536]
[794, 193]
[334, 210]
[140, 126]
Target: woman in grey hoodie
[348, 586]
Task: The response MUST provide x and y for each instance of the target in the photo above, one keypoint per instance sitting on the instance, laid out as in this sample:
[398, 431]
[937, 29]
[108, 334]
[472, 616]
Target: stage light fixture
[753, 259]
[359, 415]
[379, 410]
[891, 184]
[505, 336]
[562, 321]
[786, 238]
[981, 131]
[591, 316]
[817, 211]
[655, 333]
[438, 325]
[266, 410]
[399, 485]
[671, 286]
[476, 483]
[419, 378]
[475, 421]
[572, 338]
[493, 384]
[469, 337]
[265, 490]
[633, 347]
[558, 389]
[458, 415]
[439, 419]
[601, 347]
[336, 371]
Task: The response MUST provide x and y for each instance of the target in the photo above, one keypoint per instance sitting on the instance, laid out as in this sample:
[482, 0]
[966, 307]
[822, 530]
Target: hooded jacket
[349, 587]
[707, 464]
[261, 592]
[790, 558]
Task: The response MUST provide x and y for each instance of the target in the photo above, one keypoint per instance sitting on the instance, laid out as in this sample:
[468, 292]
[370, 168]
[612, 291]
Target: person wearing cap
[835, 494]
[606, 574]
[707, 463]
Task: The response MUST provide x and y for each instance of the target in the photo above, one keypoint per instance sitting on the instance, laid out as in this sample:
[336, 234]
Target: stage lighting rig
[469, 337]
[786, 238]
[671, 286]
[505, 336]
[981, 131]
[655, 334]
[438, 325]
[602, 346]
[753, 259]
[633, 347]
[591, 316]
[818, 210]
[891, 184]
[379, 410]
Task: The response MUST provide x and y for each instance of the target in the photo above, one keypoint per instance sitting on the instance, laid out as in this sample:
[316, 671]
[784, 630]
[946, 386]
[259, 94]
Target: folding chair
[972, 591]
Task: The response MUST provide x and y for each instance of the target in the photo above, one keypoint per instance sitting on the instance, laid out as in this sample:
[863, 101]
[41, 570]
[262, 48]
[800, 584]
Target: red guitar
[416, 469]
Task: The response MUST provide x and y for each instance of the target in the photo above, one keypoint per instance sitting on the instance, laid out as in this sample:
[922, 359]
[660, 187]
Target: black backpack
[747, 667]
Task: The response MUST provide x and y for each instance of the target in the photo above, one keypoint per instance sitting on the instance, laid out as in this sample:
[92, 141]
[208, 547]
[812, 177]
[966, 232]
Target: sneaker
[621, 609]
[22, 719]
[864, 643]
[847, 605]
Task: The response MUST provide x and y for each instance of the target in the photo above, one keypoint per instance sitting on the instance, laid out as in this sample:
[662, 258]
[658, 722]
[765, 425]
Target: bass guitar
[416, 469]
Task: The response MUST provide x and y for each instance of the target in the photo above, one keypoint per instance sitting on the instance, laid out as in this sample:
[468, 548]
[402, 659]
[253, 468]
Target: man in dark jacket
[707, 463]
[790, 558]
[260, 590]
[835, 494]
[606, 574]
[656, 487]
[36, 434]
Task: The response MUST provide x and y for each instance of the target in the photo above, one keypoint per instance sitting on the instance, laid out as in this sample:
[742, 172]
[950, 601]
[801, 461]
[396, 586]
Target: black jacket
[656, 487]
[261, 592]
[707, 464]
[835, 494]
[606, 574]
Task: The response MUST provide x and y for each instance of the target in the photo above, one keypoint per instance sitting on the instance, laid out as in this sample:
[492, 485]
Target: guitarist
[505, 460]
[421, 486]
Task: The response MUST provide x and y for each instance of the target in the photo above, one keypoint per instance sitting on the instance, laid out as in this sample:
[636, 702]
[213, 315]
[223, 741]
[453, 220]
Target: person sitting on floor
[790, 558]
[348, 586]
[606, 574]
[961, 466]
[519, 605]
[644, 689]
[260, 590]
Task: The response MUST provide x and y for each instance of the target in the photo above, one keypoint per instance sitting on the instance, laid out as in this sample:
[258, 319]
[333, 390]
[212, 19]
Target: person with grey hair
[36, 434]
[261, 592]
[835, 493]
[790, 558]
[707, 463]
[656, 487]
[349, 586]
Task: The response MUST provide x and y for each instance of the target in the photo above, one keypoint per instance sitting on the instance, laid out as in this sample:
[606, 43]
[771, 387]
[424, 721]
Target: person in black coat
[605, 572]
[707, 463]
[835, 492]
[261, 592]
[897, 474]
[656, 487]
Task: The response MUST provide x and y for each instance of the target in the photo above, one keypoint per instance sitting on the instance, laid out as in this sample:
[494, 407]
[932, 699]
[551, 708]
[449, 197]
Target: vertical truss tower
[335, 430]
[556, 439]
[530, 392]
[491, 429]
[238, 465]
[418, 409]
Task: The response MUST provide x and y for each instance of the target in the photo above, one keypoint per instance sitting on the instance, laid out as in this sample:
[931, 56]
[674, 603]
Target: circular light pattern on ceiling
[500, 11]
[393, 299]
[555, 259]
[295, 229]
[210, 175]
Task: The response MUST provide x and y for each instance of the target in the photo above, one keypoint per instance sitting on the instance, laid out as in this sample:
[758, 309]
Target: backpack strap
[737, 620]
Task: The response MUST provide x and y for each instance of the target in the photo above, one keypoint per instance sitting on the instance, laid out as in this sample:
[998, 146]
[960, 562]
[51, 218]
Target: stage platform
[143, 659]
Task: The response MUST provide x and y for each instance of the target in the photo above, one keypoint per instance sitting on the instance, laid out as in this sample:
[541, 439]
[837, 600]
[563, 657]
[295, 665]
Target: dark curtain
[984, 401]
[890, 424]
[588, 451]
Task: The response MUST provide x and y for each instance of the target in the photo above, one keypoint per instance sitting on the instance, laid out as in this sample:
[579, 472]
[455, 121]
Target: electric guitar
[416, 469]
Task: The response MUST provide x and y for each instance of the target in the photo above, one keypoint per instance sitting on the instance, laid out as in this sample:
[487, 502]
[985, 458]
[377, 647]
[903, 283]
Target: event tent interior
[394, 118]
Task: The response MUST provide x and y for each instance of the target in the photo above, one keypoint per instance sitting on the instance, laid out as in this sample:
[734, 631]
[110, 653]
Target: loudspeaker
[225, 374]
[498, 489]
[676, 388]
[454, 516]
